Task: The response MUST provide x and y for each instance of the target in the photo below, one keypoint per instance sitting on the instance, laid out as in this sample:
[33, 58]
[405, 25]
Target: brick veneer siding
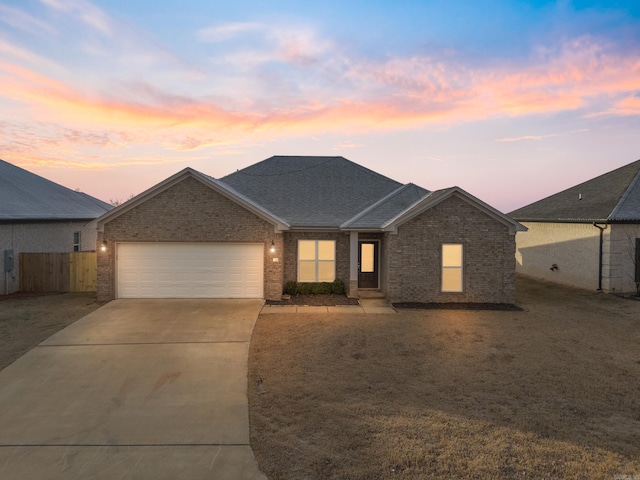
[413, 256]
[291, 253]
[189, 211]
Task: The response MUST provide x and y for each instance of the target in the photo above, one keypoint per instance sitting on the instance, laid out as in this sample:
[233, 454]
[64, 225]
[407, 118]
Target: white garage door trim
[190, 270]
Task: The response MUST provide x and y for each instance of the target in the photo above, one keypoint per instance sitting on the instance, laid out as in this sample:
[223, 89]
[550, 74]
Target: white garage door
[190, 270]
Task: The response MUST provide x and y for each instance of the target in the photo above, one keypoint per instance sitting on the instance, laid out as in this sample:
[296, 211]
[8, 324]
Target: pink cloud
[538, 137]
[626, 106]
[393, 94]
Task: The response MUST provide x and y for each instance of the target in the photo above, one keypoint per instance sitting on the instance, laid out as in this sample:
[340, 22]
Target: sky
[510, 100]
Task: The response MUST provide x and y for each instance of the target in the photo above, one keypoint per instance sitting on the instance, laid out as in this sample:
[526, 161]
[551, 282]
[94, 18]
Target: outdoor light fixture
[103, 247]
[273, 247]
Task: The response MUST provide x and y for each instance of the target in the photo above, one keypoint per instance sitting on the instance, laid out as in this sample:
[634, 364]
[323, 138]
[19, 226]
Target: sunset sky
[510, 100]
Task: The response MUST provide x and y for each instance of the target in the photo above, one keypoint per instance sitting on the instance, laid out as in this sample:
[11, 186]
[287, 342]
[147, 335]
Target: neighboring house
[305, 219]
[37, 215]
[587, 236]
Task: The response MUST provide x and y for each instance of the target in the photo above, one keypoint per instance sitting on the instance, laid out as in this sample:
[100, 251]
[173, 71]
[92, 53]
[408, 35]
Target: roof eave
[432, 200]
[218, 186]
[563, 220]
[311, 228]
[46, 219]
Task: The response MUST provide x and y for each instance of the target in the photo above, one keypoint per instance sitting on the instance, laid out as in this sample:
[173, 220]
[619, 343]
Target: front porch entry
[368, 264]
[365, 264]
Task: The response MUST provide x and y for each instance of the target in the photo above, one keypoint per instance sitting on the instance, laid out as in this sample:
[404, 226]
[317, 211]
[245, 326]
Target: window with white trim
[452, 255]
[316, 260]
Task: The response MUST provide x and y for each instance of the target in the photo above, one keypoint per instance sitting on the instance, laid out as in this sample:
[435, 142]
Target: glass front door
[368, 264]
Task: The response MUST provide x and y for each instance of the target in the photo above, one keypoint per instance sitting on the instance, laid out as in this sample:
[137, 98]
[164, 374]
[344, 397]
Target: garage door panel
[190, 270]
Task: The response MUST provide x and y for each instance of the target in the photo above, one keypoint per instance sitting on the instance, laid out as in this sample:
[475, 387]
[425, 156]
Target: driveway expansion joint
[161, 392]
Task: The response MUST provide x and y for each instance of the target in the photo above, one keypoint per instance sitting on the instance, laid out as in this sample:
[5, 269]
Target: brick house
[305, 219]
[586, 236]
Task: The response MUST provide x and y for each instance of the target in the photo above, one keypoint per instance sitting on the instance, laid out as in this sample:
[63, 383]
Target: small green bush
[320, 288]
[338, 287]
[291, 288]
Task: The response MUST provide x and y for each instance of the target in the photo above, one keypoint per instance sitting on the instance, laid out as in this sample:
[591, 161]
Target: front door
[368, 264]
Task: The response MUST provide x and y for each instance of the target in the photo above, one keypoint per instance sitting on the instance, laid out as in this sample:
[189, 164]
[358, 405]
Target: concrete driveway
[138, 389]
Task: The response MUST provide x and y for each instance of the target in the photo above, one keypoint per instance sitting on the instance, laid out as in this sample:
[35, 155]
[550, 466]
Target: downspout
[602, 229]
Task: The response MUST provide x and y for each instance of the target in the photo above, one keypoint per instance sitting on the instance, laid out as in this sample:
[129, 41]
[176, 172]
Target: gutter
[602, 229]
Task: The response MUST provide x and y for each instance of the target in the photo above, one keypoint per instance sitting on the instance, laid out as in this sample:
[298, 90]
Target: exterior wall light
[103, 247]
[273, 247]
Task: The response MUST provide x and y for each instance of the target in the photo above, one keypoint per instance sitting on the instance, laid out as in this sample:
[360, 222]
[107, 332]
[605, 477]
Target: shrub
[338, 287]
[320, 288]
[291, 288]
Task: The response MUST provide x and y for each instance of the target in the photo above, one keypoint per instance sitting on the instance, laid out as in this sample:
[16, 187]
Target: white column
[353, 257]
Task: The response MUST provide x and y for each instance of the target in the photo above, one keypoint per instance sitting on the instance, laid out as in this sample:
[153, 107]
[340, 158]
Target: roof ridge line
[421, 199]
[371, 172]
[624, 196]
[235, 192]
[311, 167]
[374, 205]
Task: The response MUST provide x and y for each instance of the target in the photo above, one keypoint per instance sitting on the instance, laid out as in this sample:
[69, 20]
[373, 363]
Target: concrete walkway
[367, 305]
[139, 389]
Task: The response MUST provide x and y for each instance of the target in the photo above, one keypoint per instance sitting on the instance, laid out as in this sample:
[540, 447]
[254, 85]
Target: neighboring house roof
[312, 192]
[29, 197]
[613, 197]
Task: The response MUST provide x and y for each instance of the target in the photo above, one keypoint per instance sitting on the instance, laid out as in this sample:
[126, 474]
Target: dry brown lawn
[552, 392]
[25, 321]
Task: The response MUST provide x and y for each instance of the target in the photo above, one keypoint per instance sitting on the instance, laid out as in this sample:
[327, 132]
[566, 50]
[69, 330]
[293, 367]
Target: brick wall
[573, 247]
[291, 253]
[413, 256]
[189, 211]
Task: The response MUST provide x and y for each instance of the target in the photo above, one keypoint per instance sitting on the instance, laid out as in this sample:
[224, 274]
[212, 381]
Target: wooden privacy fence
[58, 272]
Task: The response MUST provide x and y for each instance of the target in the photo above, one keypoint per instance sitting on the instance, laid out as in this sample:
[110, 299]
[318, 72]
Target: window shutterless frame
[452, 267]
[316, 260]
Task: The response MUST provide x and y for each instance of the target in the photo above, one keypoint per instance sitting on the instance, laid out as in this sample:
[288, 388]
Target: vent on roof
[579, 196]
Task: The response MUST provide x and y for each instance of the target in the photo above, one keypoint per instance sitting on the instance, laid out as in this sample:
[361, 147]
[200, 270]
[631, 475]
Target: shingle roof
[611, 197]
[318, 192]
[27, 196]
[388, 207]
[314, 191]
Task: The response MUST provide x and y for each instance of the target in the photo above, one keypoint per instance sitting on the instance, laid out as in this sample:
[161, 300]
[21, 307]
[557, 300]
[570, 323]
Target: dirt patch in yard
[549, 392]
[27, 320]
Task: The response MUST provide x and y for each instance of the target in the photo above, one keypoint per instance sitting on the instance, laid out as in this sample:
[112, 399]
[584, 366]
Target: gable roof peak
[434, 198]
[311, 191]
[207, 180]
